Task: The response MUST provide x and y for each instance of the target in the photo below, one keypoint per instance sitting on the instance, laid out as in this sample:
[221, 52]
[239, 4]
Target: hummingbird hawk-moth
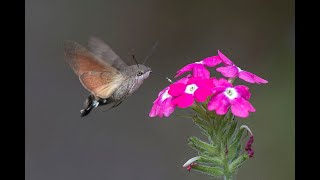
[103, 73]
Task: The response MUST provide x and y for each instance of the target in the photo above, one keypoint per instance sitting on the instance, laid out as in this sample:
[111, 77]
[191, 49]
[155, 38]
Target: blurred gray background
[124, 143]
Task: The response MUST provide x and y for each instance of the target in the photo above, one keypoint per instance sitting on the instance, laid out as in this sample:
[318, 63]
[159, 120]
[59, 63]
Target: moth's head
[139, 71]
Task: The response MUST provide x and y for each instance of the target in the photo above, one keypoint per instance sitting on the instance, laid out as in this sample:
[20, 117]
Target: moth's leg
[88, 105]
[105, 101]
[117, 104]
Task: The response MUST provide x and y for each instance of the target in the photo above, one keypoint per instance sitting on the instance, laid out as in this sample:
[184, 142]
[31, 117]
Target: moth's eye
[139, 73]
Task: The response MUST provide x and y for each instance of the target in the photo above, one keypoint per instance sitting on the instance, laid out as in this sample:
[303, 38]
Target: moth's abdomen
[123, 90]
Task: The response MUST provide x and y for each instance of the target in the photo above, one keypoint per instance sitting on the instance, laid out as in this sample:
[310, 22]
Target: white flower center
[165, 95]
[231, 93]
[239, 69]
[199, 62]
[190, 89]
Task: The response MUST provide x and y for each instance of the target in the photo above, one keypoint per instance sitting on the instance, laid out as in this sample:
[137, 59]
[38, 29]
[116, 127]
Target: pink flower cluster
[200, 86]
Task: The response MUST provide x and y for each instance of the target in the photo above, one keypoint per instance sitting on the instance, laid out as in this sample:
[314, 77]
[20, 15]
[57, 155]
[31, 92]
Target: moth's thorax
[134, 69]
[138, 80]
[132, 80]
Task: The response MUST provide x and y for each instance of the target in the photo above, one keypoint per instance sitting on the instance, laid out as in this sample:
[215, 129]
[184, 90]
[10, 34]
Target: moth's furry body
[104, 74]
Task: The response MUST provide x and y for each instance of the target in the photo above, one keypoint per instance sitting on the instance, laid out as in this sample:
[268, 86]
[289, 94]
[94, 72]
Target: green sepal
[235, 146]
[212, 171]
[236, 164]
[202, 146]
[231, 131]
[210, 160]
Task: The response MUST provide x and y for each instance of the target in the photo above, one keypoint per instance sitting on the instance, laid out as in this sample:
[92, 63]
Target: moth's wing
[103, 51]
[96, 76]
[101, 84]
[81, 60]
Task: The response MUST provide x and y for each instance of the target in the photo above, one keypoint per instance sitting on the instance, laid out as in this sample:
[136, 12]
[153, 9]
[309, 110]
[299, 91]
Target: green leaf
[212, 171]
[222, 126]
[212, 136]
[200, 111]
[234, 154]
[212, 116]
[227, 119]
[229, 116]
[202, 146]
[204, 127]
[200, 122]
[236, 164]
[235, 147]
[238, 136]
[231, 131]
[210, 160]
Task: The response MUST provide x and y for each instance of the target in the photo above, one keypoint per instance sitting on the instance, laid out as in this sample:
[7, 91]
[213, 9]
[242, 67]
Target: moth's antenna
[151, 52]
[134, 58]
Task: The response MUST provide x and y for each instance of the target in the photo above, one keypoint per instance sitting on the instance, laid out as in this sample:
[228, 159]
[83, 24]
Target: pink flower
[228, 96]
[232, 71]
[163, 104]
[196, 88]
[199, 69]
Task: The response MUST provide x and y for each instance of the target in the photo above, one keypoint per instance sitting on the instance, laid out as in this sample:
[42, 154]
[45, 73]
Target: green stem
[227, 173]
[228, 177]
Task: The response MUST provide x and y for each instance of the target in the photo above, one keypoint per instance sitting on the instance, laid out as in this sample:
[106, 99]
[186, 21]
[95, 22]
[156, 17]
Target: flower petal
[212, 61]
[243, 91]
[167, 107]
[220, 85]
[183, 101]
[251, 78]
[201, 72]
[186, 68]
[161, 92]
[228, 71]
[238, 109]
[221, 82]
[184, 80]
[205, 83]
[153, 112]
[177, 89]
[201, 94]
[244, 75]
[161, 108]
[225, 60]
[259, 80]
[219, 103]
[249, 106]
[241, 107]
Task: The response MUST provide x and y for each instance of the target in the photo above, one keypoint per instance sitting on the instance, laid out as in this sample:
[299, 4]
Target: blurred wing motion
[97, 76]
[101, 50]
